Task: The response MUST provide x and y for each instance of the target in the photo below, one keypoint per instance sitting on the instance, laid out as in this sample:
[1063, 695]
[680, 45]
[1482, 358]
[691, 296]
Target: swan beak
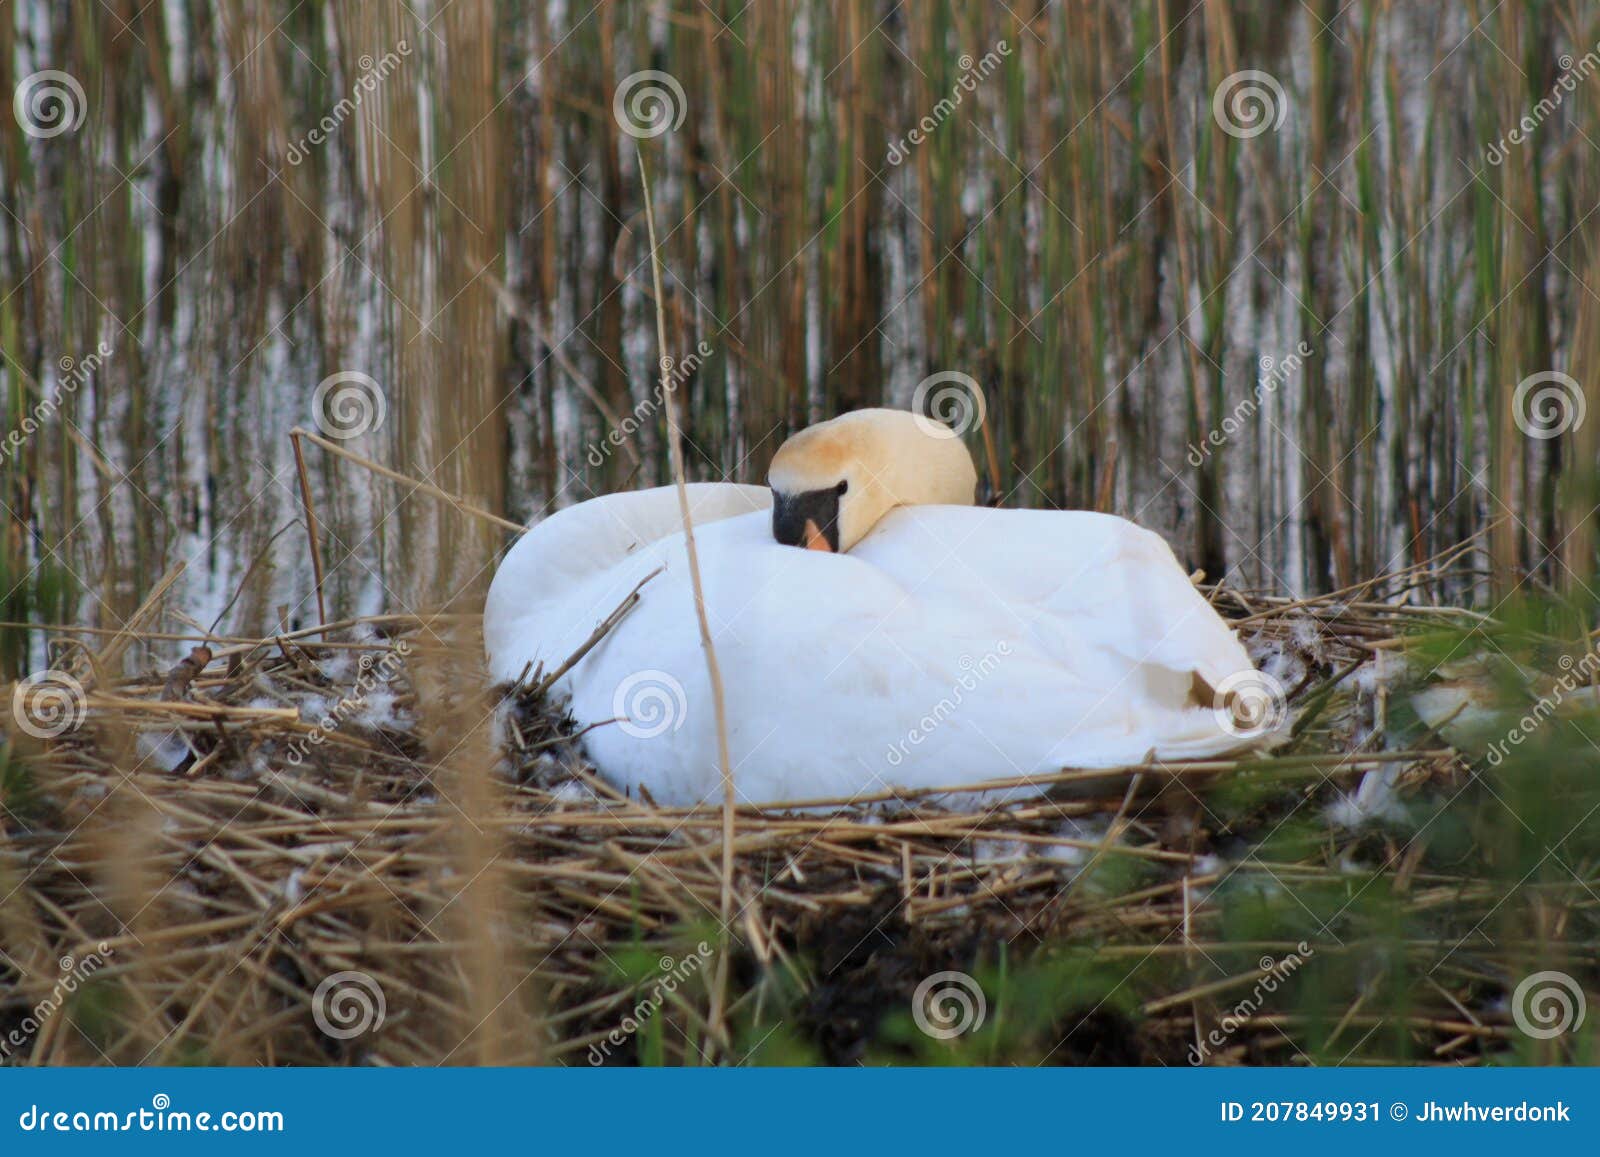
[809, 519]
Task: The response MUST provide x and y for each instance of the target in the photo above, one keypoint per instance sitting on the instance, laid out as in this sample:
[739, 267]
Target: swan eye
[842, 487]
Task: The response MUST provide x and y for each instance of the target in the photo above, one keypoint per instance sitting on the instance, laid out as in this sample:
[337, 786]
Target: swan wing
[1076, 578]
[550, 591]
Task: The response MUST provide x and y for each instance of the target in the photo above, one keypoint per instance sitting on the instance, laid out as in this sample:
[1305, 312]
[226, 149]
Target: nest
[331, 847]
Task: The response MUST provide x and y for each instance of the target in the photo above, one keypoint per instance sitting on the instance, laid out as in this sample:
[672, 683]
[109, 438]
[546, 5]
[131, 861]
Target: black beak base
[791, 512]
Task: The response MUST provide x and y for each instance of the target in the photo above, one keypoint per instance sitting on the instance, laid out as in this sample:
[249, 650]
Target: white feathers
[1373, 801]
[952, 646]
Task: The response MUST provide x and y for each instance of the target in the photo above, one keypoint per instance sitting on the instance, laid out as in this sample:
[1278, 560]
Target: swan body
[947, 645]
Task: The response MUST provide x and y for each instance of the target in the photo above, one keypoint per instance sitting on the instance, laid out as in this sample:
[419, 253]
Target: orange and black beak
[809, 519]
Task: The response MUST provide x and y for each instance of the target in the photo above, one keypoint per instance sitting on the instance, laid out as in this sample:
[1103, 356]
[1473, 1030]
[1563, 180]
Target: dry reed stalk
[310, 508]
[713, 671]
[417, 484]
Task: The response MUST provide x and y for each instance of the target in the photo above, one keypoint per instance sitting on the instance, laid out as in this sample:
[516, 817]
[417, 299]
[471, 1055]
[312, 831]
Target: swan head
[832, 482]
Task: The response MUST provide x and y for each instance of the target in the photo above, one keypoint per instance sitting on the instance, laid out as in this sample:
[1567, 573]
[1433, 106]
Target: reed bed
[295, 821]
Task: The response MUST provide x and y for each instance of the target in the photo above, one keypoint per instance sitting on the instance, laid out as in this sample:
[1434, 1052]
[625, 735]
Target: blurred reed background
[1078, 232]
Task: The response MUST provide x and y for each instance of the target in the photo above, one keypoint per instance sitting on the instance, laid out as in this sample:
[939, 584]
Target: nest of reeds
[285, 851]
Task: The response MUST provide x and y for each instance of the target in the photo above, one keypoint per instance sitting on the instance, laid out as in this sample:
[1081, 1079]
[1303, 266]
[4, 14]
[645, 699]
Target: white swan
[922, 642]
